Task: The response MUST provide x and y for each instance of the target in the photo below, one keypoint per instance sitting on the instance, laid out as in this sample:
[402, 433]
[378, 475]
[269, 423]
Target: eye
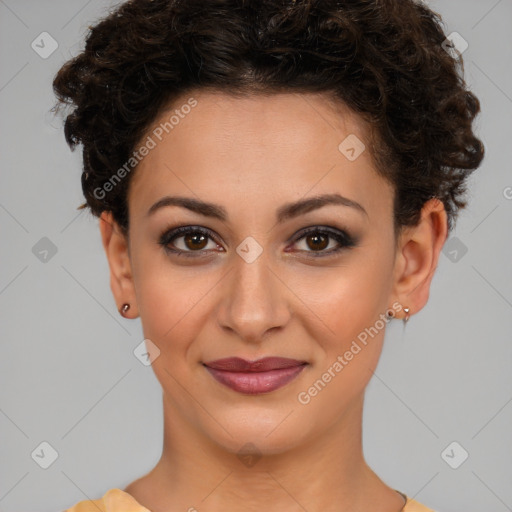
[193, 241]
[188, 239]
[316, 240]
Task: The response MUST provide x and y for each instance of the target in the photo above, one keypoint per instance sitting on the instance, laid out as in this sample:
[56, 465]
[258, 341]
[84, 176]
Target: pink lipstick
[255, 377]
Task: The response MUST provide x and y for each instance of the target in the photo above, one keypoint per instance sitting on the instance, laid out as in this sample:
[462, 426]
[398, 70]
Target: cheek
[351, 305]
[156, 289]
[351, 301]
[171, 300]
[349, 298]
[167, 301]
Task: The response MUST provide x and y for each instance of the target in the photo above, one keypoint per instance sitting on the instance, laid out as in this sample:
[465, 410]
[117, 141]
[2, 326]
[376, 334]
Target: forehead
[255, 148]
[266, 113]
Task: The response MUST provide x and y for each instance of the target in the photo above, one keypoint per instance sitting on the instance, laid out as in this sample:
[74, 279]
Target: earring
[124, 308]
[406, 318]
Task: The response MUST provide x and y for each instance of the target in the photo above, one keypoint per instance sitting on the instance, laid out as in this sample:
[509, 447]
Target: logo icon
[352, 147]
[45, 455]
[249, 249]
[44, 250]
[454, 455]
[455, 45]
[146, 352]
[249, 455]
[44, 45]
[454, 249]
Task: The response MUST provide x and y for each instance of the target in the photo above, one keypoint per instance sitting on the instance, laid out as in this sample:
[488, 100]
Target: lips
[236, 364]
[255, 377]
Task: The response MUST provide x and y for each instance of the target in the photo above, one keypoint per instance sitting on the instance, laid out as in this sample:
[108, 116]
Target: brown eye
[188, 240]
[195, 241]
[317, 242]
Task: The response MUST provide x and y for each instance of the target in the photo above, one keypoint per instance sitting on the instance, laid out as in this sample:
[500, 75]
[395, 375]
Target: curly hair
[387, 60]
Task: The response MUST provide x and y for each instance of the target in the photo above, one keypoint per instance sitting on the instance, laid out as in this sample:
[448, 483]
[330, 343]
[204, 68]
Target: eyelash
[342, 237]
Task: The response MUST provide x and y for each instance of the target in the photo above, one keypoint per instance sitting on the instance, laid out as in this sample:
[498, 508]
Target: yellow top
[116, 500]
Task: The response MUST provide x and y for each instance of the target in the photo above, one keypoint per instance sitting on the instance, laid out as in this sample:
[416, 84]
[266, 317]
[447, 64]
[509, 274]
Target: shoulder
[88, 506]
[114, 500]
[415, 506]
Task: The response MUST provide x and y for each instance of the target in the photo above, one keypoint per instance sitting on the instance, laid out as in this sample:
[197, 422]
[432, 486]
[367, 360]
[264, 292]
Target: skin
[251, 156]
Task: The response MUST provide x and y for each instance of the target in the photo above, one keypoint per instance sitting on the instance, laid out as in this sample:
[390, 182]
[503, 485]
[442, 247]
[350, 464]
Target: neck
[327, 473]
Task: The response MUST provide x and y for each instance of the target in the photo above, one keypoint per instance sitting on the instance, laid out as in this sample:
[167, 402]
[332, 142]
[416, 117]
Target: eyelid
[318, 228]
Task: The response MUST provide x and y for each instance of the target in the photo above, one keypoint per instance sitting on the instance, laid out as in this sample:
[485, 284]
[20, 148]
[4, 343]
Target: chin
[264, 431]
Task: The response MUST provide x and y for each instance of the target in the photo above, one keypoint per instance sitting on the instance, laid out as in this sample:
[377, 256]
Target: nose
[254, 300]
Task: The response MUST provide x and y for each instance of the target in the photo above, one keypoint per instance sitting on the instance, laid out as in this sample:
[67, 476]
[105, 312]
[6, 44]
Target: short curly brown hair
[387, 60]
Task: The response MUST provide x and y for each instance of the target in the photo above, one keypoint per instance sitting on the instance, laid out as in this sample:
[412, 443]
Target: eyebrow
[285, 212]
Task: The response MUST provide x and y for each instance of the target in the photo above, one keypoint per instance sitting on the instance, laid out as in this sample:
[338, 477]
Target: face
[257, 275]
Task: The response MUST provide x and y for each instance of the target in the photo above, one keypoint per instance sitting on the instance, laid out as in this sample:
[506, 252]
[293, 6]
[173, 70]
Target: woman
[275, 181]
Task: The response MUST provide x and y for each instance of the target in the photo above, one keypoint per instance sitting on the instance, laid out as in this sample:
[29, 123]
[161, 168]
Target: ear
[115, 243]
[418, 255]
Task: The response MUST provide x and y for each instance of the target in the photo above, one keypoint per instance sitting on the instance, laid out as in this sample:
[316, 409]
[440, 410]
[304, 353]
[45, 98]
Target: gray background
[68, 373]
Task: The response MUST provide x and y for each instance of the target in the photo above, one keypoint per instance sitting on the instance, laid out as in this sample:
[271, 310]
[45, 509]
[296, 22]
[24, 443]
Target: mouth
[255, 377]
